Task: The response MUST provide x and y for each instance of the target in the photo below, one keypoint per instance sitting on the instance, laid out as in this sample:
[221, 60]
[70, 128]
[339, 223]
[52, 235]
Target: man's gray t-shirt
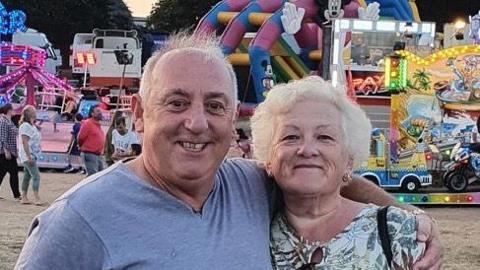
[114, 220]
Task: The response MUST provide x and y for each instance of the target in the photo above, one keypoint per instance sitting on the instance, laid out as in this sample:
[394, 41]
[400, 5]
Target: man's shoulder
[99, 188]
[242, 170]
[245, 166]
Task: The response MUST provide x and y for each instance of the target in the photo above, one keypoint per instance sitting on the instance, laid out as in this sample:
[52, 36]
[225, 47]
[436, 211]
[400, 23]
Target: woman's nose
[308, 149]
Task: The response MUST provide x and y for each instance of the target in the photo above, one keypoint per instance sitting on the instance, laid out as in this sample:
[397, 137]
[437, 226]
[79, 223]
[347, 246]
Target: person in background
[108, 151]
[73, 150]
[91, 140]
[244, 143]
[29, 151]
[8, 149]
[122, 140]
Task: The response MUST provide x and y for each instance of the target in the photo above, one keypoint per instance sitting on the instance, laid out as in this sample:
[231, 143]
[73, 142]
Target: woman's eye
[325, 138]
[290, 138]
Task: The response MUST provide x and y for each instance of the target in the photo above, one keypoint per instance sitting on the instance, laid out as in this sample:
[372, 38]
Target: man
[122, 140]
[8, 149]
[178, 205]
[91, 140]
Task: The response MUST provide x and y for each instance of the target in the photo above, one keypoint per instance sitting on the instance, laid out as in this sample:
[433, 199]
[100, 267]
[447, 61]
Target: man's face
[122, 129]
[97, 114]
[188, 117]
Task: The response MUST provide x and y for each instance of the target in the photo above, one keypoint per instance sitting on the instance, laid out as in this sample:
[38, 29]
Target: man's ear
[137, 110]
[237, 111]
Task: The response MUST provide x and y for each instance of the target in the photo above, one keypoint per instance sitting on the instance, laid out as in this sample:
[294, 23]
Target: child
[73, 149]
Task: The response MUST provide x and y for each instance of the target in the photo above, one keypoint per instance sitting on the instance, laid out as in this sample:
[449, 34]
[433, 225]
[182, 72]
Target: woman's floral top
[358, 246]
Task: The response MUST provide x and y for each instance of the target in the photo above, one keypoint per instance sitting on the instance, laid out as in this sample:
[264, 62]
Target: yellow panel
[362, 3]
[258, 19]
[225, 17]
[296, 67]
[414, 8]
[286, 68]
[255, 18]
[315, 55]
[239, 59]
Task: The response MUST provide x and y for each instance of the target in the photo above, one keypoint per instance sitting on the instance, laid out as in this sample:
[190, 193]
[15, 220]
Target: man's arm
[82, 134]
[362, 190]
[60, 238]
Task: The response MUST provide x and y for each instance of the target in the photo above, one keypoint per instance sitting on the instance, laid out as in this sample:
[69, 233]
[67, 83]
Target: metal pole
[326, 47]
[85, 75]
[121, 85]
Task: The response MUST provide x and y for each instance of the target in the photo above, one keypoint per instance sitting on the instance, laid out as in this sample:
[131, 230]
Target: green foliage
[60, 20]
[173, 15]
[421, 80]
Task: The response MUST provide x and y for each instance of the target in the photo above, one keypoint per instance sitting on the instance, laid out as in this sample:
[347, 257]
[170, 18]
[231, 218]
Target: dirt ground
[460, 227]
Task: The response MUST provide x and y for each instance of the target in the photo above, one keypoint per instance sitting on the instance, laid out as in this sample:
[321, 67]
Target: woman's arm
[25, 140]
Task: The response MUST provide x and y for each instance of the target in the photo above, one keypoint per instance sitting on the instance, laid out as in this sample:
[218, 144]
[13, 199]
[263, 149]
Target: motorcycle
[463, 169]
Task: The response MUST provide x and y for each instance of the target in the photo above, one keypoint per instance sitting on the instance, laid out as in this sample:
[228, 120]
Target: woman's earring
[347, 177]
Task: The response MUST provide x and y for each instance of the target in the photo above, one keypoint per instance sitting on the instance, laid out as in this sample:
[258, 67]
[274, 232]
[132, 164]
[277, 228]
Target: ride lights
[395, 72]
[440, 55]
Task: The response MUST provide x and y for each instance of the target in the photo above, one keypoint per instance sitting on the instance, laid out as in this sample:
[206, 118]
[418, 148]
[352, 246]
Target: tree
[60, 20]
[421, 80]
[173, 15]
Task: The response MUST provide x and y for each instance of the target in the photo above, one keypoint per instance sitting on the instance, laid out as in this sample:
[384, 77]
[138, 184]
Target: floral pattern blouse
[358, 246]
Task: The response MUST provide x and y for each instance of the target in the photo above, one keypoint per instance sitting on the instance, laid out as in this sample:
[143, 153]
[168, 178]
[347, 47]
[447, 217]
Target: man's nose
[196, 121]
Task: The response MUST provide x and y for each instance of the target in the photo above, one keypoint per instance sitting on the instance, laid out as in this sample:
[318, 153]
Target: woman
[8, 149]
[109, 148]
[311, 137]
[29, 152]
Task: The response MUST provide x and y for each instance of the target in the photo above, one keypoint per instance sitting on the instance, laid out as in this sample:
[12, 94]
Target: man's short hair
[90, 112]
[209, 45]
[120, 121]
[79, 117]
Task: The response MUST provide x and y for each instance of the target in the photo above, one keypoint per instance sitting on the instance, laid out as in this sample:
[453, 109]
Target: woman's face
[309, 155]
[32, 114]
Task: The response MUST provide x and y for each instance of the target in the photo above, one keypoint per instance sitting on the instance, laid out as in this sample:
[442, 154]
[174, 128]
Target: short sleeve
[133, 138]
[27, 130]
[114, 137]
[60, 238]
[402, 229]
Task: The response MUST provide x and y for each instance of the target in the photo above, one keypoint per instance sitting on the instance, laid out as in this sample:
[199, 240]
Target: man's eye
[178, 104]
[215, 107]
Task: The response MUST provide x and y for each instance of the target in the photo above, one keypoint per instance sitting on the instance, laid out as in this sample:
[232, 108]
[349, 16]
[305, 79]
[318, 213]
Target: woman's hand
[429, 234]
[30, 161]
[8, 156]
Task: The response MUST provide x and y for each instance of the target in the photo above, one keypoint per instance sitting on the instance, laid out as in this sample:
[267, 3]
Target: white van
[102, 44]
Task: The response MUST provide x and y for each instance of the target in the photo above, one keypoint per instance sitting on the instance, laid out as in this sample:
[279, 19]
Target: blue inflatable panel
[398, 9]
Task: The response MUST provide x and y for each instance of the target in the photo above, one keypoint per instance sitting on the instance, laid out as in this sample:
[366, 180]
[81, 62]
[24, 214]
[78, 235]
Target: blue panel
[398, 9]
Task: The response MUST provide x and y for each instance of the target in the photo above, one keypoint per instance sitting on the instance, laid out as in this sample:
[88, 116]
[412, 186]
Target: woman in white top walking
[29, 152]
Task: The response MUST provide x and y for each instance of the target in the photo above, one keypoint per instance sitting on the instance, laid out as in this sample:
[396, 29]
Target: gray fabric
[113, 220]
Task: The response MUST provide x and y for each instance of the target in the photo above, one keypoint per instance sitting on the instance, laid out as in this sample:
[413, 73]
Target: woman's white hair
[282, 98]
[206, 44]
